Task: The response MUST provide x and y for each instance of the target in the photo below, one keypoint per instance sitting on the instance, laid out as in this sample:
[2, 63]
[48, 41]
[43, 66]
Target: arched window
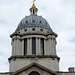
[26, 22]
[40, 21]
[33, 21]
[34, 73]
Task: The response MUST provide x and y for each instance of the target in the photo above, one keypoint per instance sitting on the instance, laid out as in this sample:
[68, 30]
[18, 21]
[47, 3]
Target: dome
[33, 20]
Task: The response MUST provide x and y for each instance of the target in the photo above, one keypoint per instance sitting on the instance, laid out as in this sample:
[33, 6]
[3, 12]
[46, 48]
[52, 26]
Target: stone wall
[49, 62]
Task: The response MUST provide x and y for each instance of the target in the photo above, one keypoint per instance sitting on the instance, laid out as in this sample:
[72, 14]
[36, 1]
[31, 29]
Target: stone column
[45, 46]
[28, 46]
[52, 46]
[22, 47]
[39, 47]
[15, 45]
[55, 46]
[12, 43]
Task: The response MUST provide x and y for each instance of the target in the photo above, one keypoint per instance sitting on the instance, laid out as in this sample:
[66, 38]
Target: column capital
[30, 37]
[37, 38]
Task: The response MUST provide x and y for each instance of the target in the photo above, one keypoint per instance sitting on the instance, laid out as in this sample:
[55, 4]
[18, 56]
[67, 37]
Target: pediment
[37, 66]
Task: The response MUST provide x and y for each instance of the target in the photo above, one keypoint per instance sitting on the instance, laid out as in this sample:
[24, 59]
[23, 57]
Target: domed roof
[33, 20]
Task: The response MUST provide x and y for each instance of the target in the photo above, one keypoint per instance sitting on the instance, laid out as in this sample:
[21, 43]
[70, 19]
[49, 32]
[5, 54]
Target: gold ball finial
[33, 3]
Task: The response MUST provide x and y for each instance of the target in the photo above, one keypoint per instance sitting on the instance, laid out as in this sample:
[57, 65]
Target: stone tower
[34, 42]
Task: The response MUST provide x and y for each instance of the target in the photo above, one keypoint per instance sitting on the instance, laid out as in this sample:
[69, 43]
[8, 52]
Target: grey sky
[59, 13]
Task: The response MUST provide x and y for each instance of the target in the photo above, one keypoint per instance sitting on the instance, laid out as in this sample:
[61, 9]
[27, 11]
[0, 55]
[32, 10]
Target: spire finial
[33, 9]
[33, 3]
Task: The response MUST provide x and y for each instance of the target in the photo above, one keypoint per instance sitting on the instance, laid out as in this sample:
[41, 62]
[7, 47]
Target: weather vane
[34, 1]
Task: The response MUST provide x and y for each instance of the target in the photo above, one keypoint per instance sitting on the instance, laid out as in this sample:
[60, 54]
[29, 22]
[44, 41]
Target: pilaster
[28, 46]
[45, 46]
[22, 47]
[15, 45]
[39, 47]
[12, 46]
[54, 46]
[50, 42]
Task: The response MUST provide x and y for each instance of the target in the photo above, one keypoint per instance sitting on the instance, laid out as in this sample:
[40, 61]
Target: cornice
[34, 56]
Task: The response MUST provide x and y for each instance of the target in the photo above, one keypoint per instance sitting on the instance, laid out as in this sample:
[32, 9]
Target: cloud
[66, 49]
[72, 40]
[59, 13]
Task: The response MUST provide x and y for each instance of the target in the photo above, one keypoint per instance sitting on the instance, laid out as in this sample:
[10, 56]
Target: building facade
[34, 48]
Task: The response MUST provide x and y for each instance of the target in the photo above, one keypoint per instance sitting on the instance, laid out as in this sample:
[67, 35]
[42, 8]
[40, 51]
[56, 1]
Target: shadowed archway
[34, 73]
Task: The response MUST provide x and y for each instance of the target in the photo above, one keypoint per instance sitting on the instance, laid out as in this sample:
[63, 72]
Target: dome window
[46, 23]
[33, 21]
[19, 32]
[40, 21]
[47, 31]
[33, 29]
[41, 29]
[26, 22]
[25, 30]
[21, 23]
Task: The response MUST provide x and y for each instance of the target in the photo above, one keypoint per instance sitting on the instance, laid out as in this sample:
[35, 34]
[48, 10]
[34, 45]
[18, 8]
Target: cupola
[33, 9]
[34, 42]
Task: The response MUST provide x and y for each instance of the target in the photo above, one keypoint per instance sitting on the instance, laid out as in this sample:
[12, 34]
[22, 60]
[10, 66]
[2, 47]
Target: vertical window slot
[25, 46]
[33, 45]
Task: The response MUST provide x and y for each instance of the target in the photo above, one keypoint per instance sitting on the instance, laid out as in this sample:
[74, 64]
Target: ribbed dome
[33, 20]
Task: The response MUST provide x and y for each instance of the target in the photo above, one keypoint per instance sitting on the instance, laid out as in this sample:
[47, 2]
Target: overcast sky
[59, 13]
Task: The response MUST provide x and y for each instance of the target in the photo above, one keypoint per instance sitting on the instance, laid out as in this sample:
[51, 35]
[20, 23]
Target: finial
[33, 9]
[33, 4]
